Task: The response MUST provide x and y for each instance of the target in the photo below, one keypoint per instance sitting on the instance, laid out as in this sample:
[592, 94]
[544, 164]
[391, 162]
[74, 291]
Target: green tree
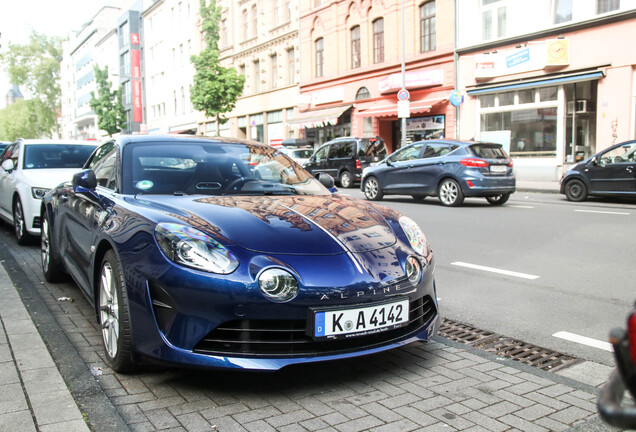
[20, 120]
[108, 105]
[215, 88]
[35, 66]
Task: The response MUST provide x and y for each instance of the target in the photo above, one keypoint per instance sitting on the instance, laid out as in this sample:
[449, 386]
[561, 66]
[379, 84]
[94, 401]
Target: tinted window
[437, 150]
[373, 148]
[321, 153]
[489, 151]
[56, 155]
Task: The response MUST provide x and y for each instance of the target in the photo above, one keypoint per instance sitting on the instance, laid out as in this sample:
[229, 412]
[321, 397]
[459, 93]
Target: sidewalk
[538, 186]
[33, 395]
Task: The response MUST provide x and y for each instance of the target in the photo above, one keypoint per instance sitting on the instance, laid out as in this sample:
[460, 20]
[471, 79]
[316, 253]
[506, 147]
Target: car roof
[458, 142]
[131, 139]
[56, 141]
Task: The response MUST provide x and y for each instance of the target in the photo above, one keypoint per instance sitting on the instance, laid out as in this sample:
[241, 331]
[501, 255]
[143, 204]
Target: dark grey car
[449, 169]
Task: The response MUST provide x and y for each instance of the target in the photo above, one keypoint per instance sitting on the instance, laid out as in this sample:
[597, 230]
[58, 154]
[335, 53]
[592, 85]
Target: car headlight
[38, 193]
[190, 247]
[278, 285]
[414, 234]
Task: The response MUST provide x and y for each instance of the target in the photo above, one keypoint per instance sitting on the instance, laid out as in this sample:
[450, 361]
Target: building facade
[351, 69]
[553, 83]
[260, 39]
[170, 36]
[94, 44]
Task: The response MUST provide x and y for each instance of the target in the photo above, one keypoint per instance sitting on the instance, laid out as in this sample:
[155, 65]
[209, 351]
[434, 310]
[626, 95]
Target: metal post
[403, 142]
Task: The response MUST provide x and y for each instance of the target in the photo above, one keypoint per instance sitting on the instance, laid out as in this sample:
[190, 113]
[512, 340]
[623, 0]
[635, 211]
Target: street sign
[404, 109]
[403, 95]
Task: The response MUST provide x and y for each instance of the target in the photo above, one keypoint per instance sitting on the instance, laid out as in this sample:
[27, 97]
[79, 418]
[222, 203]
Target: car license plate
[362, 320]
[498, 168]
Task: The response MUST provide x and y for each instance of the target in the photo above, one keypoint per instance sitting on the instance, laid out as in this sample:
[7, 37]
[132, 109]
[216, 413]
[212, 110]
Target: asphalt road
[574, 259]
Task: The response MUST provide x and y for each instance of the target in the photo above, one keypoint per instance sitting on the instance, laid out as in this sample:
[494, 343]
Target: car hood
[281, 225]
[48, 178]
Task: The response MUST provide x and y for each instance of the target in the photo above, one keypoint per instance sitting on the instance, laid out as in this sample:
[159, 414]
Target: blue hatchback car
[449, 169]
[226, 253]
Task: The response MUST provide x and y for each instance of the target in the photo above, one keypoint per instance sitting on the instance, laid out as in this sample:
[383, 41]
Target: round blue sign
[455, 98]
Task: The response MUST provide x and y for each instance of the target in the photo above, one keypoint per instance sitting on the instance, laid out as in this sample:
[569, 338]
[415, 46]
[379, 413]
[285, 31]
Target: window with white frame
[604, 6]
[427, 26]
[355, 47]
[320, 52]
[378, 40]
[291, 66]
[493, 19]
[274, 70]
[562, 11]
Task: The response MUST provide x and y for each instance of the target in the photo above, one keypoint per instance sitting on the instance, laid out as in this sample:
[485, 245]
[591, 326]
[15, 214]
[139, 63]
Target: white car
[29, 169]
[299, 154]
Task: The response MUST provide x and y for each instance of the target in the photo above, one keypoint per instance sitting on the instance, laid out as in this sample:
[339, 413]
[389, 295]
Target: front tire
[498, 199]
[51, 262]
[114, 315]
[346, 181]
[19, 224]
[372, 189]
[450, 193]
[575, 190]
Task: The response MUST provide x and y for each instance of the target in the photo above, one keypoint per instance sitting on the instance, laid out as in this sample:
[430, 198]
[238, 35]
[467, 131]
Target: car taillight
[631, 335]
[358, 164]
[472, 162]
[510, 164]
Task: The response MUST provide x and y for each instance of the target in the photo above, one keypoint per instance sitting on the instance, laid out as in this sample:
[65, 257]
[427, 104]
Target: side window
[348, 149]
[408, 153]
[334, 150]
[8, 152]
[104, 164]
[436, 150]
[321, 153]
[620, 154]
[15, 152]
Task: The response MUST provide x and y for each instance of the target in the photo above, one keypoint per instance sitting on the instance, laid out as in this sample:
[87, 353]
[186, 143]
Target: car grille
[287, 337]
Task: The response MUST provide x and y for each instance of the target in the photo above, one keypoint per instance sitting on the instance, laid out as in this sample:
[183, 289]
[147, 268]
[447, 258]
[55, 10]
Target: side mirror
[326, 180]
[8, 165]
[389, 163]
[594, 161]
[85, 180]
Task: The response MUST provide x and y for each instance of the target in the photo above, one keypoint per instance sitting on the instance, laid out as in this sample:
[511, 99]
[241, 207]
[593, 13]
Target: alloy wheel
[46, 245]
[18, 220]
[448, 193]
[372, 189]
[109, 310]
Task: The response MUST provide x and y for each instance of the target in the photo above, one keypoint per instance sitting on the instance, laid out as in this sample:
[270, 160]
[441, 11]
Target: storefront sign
[412, 80]
[455, 98]
[534, 56]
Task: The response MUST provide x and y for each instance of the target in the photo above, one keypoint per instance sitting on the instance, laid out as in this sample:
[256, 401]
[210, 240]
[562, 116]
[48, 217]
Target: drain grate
[503, 346]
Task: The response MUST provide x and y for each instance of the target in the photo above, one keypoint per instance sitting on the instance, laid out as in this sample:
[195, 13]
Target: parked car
[450, 169]
[345, 158]
[299, 154]
[613, 409]
[190, 257]
[31, 167]
[611, 172]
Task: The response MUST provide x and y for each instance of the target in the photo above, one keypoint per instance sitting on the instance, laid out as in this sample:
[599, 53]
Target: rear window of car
[489, 151]
[37, 156]
[373, 148]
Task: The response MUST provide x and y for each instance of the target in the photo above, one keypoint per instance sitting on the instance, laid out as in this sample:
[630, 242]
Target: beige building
[260, 39]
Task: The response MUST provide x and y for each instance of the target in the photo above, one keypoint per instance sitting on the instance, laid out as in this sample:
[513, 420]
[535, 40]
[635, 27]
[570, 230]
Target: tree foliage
[215, 88]
[35, 66]
[20, 120]
[108, 105]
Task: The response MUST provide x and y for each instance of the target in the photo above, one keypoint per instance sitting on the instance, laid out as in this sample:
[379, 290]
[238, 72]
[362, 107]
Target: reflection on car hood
[281, 224]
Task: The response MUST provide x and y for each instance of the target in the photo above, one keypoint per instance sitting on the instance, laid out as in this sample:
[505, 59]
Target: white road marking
[495, 270]
[584, 340]
[520, 206]
[602, 212]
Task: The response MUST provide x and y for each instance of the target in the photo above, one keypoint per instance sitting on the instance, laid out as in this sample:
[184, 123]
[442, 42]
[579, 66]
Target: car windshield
[489, 151]
[213, 168]
[38, 156]
[301, 154]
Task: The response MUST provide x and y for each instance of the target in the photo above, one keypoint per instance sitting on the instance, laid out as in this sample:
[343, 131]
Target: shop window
[507, 98]
[604, 6]
[526, 96]
[548, 94]
[562, 11]
[487, 101]
[532, 132]
[427, 26]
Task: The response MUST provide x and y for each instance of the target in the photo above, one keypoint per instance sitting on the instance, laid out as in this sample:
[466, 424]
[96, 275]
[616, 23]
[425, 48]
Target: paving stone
[381, 412]
[292, 428]
[534, 412]
[451, 419]
[314, 424]
[256, 414]
[359, 424]
[258, 426]
[404, 425]
[400, 400]
[522, 424]
[569, 415]
[500, 409]
[488, 423]
[161, 419]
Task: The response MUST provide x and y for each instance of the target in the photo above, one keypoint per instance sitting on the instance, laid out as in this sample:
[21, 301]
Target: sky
[51, 17]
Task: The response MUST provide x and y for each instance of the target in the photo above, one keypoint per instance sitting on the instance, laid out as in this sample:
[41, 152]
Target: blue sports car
[225, 253]
[450, 169]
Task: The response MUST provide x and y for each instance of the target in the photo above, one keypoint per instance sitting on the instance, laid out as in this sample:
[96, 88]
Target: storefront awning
[318, 118]
[390, 110]
[532, 83]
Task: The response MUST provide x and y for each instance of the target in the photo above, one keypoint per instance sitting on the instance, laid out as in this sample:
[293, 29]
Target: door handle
[63, 198]
[630, 169]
